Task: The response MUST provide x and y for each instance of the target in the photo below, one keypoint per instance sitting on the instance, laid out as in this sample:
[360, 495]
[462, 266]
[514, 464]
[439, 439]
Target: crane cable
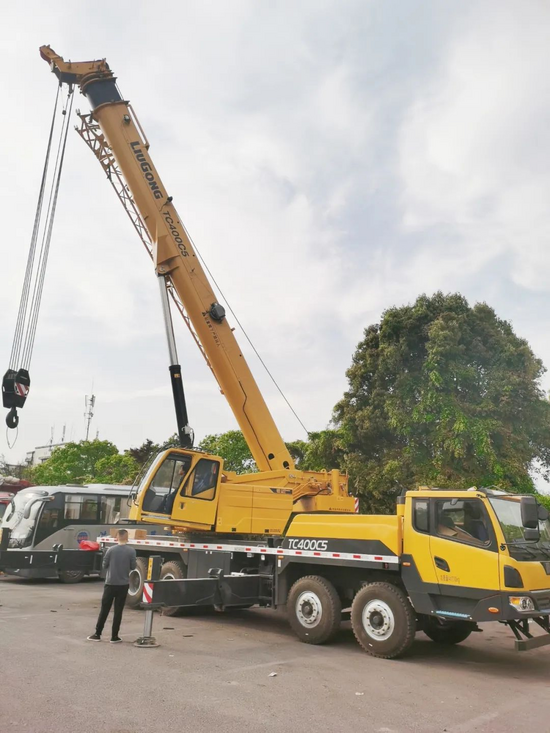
[16, 382]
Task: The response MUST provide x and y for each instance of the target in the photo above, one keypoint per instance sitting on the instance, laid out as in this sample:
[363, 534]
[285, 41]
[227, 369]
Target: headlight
[522, 603]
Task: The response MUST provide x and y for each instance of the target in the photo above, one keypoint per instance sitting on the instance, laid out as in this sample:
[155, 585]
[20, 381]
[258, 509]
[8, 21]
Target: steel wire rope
[23, 303]
[47, 235]
[262, 362]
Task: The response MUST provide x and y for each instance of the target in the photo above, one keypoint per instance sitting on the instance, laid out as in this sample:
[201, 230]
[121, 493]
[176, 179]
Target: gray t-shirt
[119, 561]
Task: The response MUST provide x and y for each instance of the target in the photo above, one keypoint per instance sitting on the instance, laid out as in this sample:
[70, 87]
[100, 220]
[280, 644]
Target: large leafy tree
[233, 448]
[93, 461]
[443, 394]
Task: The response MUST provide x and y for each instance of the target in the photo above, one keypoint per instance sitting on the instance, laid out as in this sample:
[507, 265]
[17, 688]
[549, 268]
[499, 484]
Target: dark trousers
[116, 593]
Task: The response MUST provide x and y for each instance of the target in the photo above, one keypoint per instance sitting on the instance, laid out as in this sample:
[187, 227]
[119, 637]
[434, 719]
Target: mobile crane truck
[444, 562]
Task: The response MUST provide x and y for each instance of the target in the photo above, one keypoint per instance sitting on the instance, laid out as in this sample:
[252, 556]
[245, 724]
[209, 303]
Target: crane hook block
[15, 388]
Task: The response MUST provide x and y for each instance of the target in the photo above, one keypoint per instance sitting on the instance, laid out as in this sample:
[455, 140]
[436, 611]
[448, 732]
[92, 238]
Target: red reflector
[219, 547]
[248, 549]
[280, 552]
[298, 552]
[377, 557]
[317, 553]
[357, 557]
[335, 554]
[191, 545]
[263, 550]
[205, 547]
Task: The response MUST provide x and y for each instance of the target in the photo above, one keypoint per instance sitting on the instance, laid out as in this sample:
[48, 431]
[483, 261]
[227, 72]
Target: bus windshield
[22, 526]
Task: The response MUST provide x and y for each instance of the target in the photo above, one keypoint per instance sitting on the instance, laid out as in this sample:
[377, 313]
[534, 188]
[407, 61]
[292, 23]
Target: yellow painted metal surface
[386, 528]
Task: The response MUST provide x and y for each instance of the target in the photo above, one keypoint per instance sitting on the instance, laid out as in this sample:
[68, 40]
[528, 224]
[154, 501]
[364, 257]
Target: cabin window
[81, 508]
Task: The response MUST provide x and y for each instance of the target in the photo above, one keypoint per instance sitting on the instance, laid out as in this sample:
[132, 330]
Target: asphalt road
[212, 673]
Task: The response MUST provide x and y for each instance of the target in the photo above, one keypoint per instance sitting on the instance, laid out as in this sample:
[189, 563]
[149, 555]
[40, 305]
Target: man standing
[119, 561]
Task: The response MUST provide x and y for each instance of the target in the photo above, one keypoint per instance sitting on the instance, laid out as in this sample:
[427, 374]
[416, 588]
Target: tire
[177, 571]
[445, 632]
[71, 576]
[383, 620]
[314, 609]
[137, 578]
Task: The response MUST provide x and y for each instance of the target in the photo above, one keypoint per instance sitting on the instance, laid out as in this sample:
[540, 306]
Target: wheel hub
[378, 620]
[309, 609]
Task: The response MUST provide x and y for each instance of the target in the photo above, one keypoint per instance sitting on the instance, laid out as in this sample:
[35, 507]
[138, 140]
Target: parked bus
[41, 517]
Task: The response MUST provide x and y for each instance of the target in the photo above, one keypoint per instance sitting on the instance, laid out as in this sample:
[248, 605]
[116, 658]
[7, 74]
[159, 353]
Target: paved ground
[212, 674]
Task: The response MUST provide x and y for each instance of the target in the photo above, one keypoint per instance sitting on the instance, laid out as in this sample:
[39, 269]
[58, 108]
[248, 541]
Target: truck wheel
[383, 620]
[71, 576]
[172, 570]
[314, 609]
[137, 578]
[445, 632]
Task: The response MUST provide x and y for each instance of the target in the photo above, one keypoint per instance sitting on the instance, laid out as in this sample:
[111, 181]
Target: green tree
[142, 453]
[322, 450]
[77, 463]
[116, 469]
[233, 448]
[442, 394]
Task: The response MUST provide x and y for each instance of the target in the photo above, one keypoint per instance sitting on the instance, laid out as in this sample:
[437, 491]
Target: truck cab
[476, 555]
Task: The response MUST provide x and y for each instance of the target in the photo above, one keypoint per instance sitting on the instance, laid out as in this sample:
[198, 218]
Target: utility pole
[88, 415]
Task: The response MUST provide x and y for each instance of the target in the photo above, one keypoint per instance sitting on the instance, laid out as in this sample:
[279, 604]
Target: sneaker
[116, 640]
[94, 637]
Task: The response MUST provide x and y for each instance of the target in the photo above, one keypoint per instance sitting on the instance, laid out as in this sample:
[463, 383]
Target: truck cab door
[464, 548]
[197, 500]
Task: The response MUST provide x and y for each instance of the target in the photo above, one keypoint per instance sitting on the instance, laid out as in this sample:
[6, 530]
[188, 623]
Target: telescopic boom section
[175, 257]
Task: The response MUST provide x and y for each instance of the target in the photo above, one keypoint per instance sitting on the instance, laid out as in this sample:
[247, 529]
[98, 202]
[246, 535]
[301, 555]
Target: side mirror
[543, 513]
[531, 535]
[529, 512]
[27, 512]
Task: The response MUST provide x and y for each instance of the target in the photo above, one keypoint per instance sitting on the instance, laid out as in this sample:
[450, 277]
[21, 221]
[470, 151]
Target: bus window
[81, 508]
[109, 509]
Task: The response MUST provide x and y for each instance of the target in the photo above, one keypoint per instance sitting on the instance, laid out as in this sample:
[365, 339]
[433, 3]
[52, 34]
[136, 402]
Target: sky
[329, 159]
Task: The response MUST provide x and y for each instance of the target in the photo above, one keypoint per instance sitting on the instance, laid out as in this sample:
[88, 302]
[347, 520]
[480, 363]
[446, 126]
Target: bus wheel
[137, 578]
[383, 620]
[445, 632]
[314, 609]
[173, 570]
[71, 576]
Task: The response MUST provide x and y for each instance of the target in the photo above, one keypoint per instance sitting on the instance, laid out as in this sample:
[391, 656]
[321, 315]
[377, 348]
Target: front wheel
[71, 576]
[445, 632]
[383, 620]
[172, 570]
[135, 588]
[314, 609]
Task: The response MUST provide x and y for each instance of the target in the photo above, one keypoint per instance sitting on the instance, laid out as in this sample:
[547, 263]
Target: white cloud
[328, 162]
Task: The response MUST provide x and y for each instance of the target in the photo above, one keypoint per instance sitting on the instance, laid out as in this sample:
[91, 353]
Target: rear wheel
[383, 620]
[71, 576]
[314, 609]
[173, 570]
[137, 578]
[445, 632]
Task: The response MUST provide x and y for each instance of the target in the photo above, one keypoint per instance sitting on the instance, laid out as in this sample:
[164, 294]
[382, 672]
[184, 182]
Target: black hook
[12, 418]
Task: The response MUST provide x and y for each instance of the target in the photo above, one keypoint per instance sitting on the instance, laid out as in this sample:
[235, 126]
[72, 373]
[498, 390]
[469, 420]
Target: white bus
[41, 517]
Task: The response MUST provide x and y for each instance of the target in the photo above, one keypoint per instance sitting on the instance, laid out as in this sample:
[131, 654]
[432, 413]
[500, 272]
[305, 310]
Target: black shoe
[94, 637]
[116, 640]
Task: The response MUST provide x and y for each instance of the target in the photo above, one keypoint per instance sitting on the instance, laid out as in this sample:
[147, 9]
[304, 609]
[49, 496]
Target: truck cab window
[464, 521]
[165, 484]
[205, 479]
[421, 515]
